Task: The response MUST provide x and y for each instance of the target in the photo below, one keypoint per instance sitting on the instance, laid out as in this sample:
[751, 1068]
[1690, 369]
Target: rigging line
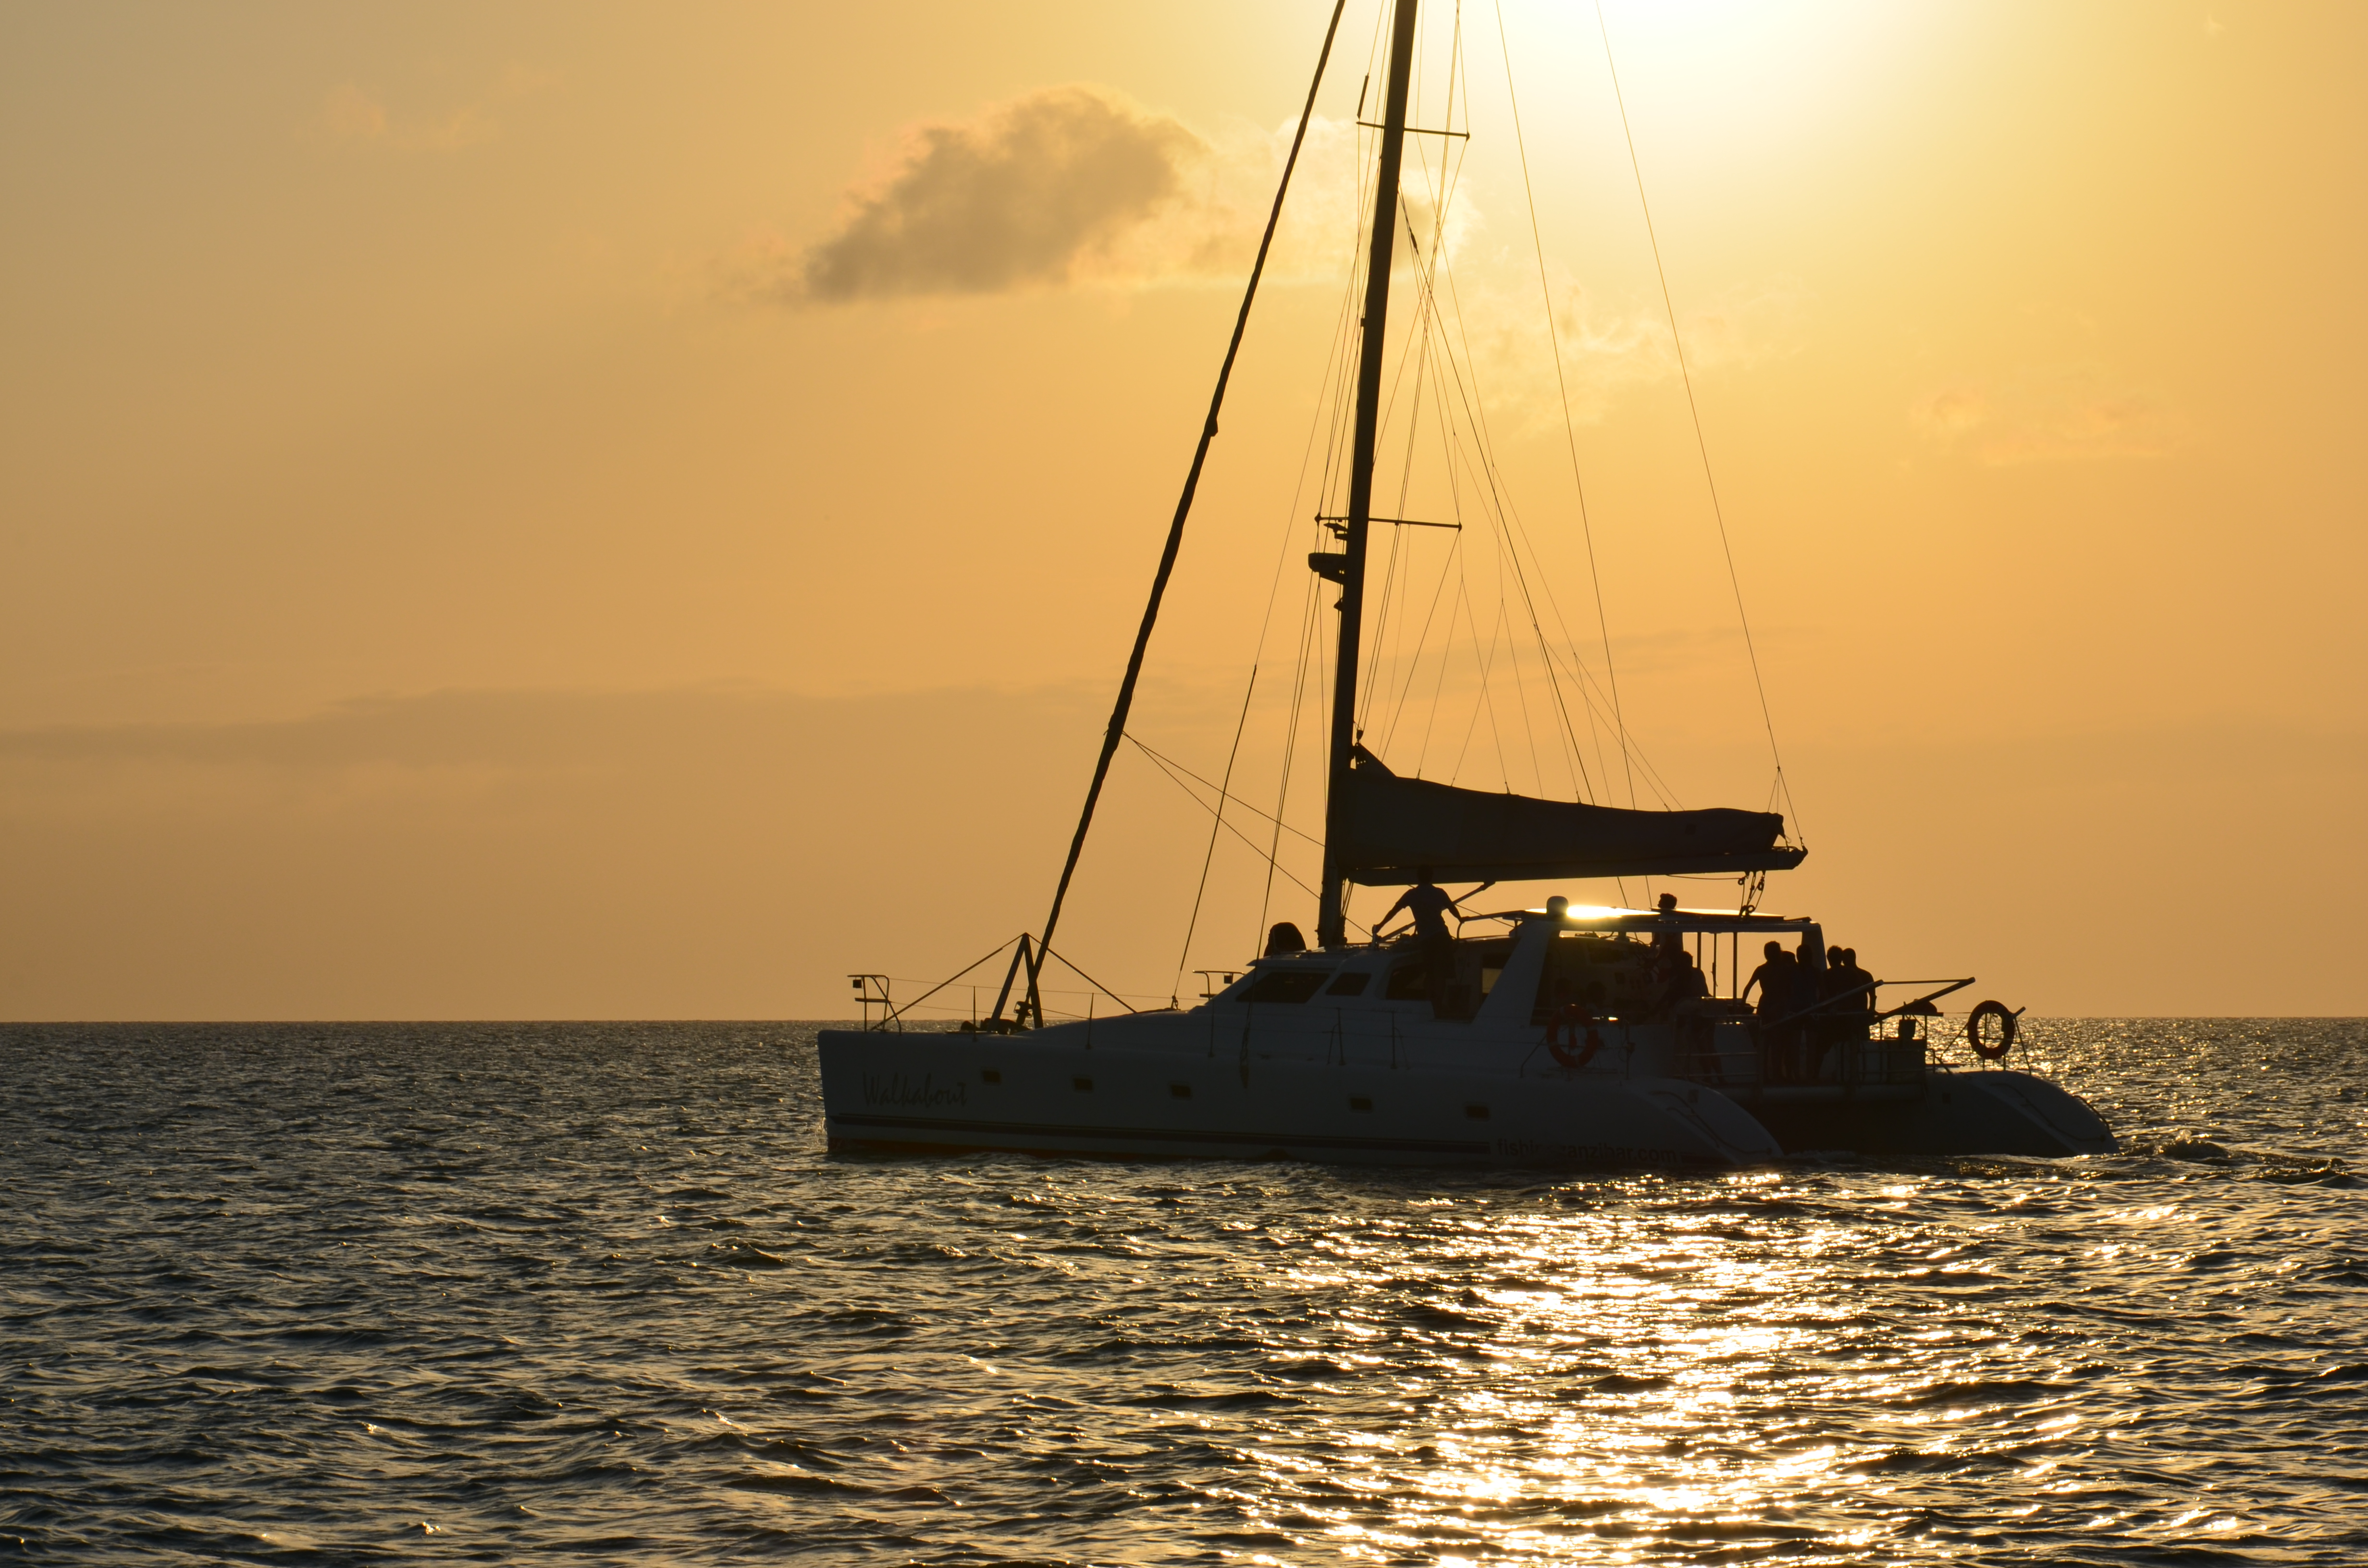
[949, 979]
[1570, 433]
[1342, 336]
[1490, 468]
[1338, 356]
[1488, 703]
[1431, 615]
[1521, 688]
[1701, 445]
[1588, 687]
[1310, 613]
[1425, 279]
[1184, 502]
[1480, 671]
[1426, 312]
[1511, 537]
[1229, 827]
[1487, 694]
[1165, 760]
[1446, 653]
[1097, 985]
[1509, 553]
[1208, 859]
[1506, 519]
[1351, 323]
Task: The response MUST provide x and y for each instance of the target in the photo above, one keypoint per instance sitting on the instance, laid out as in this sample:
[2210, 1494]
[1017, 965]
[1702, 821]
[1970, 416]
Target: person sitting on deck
[1669, 938]
[1677, 982]
[1285, 939]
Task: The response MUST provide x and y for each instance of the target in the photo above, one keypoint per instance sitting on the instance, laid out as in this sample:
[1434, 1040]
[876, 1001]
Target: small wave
[799, 1482]
[2008, 1390]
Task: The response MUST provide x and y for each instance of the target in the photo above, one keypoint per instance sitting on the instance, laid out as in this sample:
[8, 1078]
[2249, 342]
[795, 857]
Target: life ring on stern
[1579, 1024]
[1991, 1050]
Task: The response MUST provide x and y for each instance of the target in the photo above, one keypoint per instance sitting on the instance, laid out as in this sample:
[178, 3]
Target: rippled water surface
[334, 1292]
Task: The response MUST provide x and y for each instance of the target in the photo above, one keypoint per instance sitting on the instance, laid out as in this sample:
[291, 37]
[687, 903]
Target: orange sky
[582, 511]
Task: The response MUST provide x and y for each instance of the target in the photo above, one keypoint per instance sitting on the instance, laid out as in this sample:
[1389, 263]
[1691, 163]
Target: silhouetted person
[1284, 939]
[1864, 982]
[1840, 1003]
[1854, 999]
[1774, 973]
[1669, 938]
[1778, 981]
[1680, 983]
[1428, 905]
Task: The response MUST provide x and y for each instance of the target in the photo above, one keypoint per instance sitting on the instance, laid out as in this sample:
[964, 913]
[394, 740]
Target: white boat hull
[1339, 1063]
[1052, 1093]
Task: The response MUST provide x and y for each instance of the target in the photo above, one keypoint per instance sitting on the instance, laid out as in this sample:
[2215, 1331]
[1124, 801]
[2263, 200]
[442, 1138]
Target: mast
[1332, 914]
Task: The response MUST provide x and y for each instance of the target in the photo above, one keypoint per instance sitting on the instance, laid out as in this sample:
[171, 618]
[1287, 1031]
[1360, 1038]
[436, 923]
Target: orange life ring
[1584, 1040]
[1987, 1049]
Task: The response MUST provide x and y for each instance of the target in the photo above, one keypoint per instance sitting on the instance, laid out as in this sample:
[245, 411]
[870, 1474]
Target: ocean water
[337, 1293]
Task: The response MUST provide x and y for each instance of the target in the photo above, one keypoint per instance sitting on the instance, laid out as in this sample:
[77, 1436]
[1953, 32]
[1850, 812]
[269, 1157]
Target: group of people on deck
[1804, 1001]
[1808, 1001]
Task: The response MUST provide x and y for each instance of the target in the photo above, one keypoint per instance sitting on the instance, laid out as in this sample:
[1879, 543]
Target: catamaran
[1563, 1035]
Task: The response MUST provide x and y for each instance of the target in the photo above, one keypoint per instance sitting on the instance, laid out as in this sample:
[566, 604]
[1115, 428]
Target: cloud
[2055, 414]
[1074, 186]
[1025, 196]
[1079, 186]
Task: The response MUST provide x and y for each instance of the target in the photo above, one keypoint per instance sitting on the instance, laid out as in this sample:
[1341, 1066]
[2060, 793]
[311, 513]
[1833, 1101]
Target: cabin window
[1348, 982]
[1285, 985]
[1476, 1113]
[1083, 1085]
[1361, 1102]
[1182, 1091]
[989, 1075]
[1409, 981]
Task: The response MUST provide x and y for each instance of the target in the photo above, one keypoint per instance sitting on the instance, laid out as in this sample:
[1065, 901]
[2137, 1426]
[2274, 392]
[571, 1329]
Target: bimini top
[1406, 830]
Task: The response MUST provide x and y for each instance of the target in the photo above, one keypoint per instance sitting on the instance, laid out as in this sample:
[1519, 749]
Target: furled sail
[1405, 830]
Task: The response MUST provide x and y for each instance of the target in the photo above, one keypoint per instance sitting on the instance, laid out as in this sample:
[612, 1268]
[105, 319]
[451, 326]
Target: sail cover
[1406, 830]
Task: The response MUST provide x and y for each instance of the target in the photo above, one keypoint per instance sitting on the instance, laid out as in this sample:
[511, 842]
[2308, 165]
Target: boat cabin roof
[1607, 917]
[1579, 917]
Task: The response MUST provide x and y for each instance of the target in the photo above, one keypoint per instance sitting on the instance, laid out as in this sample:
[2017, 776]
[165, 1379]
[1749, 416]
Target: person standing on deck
[1777, 979]
[1428, 905]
